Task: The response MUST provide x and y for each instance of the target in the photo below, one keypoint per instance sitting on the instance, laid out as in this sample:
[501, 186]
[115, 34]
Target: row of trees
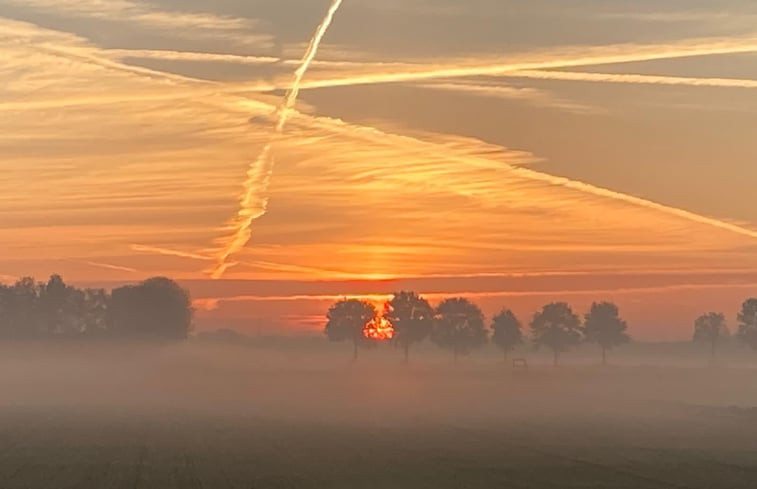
[712, 328]
[154, 309]
[458, 325]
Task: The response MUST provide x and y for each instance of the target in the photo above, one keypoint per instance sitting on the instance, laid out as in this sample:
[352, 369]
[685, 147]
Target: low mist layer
[302, 414]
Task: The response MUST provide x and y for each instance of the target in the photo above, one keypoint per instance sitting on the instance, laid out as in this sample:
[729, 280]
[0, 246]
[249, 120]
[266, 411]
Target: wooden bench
[520, 364]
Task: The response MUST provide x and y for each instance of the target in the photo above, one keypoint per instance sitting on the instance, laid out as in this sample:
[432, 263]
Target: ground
[260, 424]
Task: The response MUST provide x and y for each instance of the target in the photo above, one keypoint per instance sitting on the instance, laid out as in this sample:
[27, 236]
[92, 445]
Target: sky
[511, 152]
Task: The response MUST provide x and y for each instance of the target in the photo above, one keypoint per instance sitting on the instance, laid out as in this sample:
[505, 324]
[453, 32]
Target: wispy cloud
[710, 16]
[350, 199]
[439, 296]
[181, 23]
[534, 96]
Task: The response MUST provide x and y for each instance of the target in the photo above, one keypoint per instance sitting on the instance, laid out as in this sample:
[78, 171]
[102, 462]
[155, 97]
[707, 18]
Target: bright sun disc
[379, 329]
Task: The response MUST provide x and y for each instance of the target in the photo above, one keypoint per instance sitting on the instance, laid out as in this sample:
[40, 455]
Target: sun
[379, 329]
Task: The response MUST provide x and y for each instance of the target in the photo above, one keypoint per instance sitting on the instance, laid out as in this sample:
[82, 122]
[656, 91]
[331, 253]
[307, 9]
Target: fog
[306, 379]
[301, 413]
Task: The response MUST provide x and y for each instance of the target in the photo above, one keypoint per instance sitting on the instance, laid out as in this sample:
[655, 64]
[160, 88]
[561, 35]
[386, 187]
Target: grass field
[202, 419]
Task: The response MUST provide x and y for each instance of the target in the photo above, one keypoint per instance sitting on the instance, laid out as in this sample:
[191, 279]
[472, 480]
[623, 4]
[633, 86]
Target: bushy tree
[603, 326]
[347, 320]
[507, 332]
[156, 309]
[459, 327]
[710, 328]
[557, 328]
[747, 333]
[412, 318]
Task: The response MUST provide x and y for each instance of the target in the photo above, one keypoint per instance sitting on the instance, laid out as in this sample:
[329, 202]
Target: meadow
[219, 416]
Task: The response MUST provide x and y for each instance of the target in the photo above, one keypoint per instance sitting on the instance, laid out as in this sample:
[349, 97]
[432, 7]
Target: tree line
[157, 308]
[459, 326]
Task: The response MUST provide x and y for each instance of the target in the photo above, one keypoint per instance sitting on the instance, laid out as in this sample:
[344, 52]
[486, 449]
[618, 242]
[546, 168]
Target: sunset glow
[380, 329]
[593, 156]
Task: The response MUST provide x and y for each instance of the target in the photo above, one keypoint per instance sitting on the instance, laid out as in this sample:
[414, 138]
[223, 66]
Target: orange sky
[604, 154]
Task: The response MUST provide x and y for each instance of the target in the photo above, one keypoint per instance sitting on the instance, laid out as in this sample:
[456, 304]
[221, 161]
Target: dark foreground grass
[50, 448]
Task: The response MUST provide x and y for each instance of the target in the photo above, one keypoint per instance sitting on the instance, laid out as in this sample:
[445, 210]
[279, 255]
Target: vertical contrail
[255, 201]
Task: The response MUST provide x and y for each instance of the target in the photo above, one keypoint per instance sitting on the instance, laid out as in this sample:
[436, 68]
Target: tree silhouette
[459, 327]
[412, 318]
[158, 308]
[603, 326]
[7, 310]
[60, 308]
[556, 327]
[747, 333]
[94, 311]
[24, 317]
[346, 322]
[710, 328]
[507, 332]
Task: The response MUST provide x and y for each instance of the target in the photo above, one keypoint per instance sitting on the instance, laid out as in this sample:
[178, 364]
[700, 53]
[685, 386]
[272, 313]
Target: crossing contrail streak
[592, 56]
[255, 200]
[242, 59]
[247, 214]
[633, 79]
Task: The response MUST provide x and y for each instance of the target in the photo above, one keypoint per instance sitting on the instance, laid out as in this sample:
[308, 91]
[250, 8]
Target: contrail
[634, 78]
[242, 225]
[255, 201]
[398, 72]
[172, 55]
[243, 59]
[279, 267]
[424, 147]
[622, 53]
[630, 199]
[169, 252]
[109, 266]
